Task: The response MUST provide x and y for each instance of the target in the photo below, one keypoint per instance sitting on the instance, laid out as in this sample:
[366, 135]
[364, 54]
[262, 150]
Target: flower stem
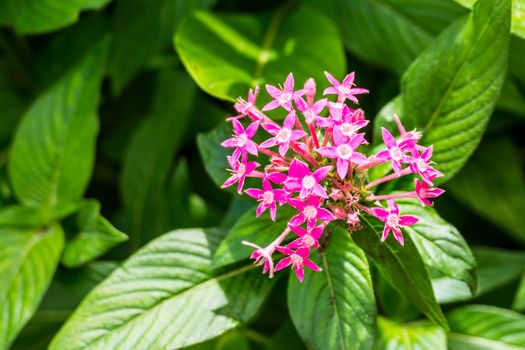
[392, 196]
[314, 135]
[392, 176]
[372, 164]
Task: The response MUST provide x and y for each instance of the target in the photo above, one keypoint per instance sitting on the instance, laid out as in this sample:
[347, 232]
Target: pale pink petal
[273, 91]
[320, 191]
[330, 91]
[342, 168]
[283, 148]
[271, 105]
[321, 173]
[289, 83]
[388, 138]
[329, 152]
[289, 122]
[331, 79]
[268, 143]
[349, 79]
[297, 134]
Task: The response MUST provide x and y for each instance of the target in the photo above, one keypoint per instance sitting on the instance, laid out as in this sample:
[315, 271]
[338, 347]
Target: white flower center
[297, 260]
[308, 240]
[310, 212]
[347, 129]
[344, 151]
[393, 220]
[396, 153]
[284, 135]
[285, 97]
[308, 182]
[242, 139]
[241, 169]
[267, 197]
[421, 164]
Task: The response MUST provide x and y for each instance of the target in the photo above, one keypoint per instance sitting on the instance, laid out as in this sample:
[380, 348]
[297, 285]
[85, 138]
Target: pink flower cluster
[315, 166]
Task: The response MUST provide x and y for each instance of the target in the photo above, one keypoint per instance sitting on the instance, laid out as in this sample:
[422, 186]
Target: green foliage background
[115, 235]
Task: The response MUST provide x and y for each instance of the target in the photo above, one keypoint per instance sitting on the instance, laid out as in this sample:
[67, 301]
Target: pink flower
[344, 152]
[240, 169]
[307, 238]
[241, 141]
[282, 136]
[247, 108]
[424, 191]
[283, 97]
[395, 151]
[420, 164]
[298, 259]
[351, 122]
[262, 256]
[310, 88]
[345, 89]
[310, 112]
[267, 198]
[393, 221]
[310, 211]
[306, 183]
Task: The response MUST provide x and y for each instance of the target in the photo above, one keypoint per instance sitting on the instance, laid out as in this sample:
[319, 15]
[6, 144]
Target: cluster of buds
[314, 165]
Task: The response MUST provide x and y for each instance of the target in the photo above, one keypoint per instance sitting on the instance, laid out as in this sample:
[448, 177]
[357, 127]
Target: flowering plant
[316, 166]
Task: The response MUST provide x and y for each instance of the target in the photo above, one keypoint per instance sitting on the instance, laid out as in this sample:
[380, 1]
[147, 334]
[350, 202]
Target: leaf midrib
[444, 97]
[179, 294]
[486, 341]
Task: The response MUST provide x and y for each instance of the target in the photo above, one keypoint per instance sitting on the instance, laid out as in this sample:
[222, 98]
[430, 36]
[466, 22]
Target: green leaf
[441, 246]
[491, 263]
[258, 230]
[407, 26]
[165, 297]
[450, 91]
[480, 327]
[152, 26]
[28, 260]
[402, 266]
[285, 338]
[242, 51]
[213, 154]
[30, 217]
[335, 308]
[54, 146]
[412, 336]
[93, 236]
[150, 155]
[519, 300]
[498, 195]
[41, 16]
[518, 15]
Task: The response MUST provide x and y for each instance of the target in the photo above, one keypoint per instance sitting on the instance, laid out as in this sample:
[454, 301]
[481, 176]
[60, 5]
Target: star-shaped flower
[283, 97]
[393, 221]
[344, 89]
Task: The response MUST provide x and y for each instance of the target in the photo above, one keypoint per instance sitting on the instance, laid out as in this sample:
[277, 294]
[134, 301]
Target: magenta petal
[268, 143]
[289, 122]
[329, 152]
[388, 138]
[298, 169]
[399, 236]
[331, 79]
[273, 211]
[342, 168]
[408, 220]
[277, 178]
[251, 147]
[349, 79]
[301, 104]
[299, 271]
[283, 263]
[273, 91]
[359, 158]
[298, 219]
[330, 91]
[339, 138]
[230, 181]
[254, 192]
[385, 233]
[298, 230]
[229, 143]
[237, 127]
[320, 191]
[311, 265]
[321, 173]
[316, 232]
[283, 148]
[252, 129]
[260, 209]
[383, 155]
[271, 105]
[392, 206]
[325, 215]
[380, 213]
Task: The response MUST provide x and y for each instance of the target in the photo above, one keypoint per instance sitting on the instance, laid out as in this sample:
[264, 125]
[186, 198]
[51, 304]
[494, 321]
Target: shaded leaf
[450, 91]
[497, 195]
[519, 300]
[411, 336]
[93, 236]
[480, 327]
[41, 16]
[161, 297]
[335, 308]
[402, 266]
[242, 51]
[149, 158]
[54, 146]
[28, 260]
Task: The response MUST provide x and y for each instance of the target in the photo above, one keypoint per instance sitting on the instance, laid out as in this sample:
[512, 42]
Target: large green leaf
[480, 327]
[411, 336]
[498, 195]
[402, 266]
[451, 89]
[408, 26]
[213, 154]
[442, 248]
[259, 230]
[242, 51]
[518, 15]
[519, 300]
[54, 147]
[40, 16]
[150, 155]
[93, 235]
[152, 26]
[165, 297]
[335, 308]
[28, 260]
